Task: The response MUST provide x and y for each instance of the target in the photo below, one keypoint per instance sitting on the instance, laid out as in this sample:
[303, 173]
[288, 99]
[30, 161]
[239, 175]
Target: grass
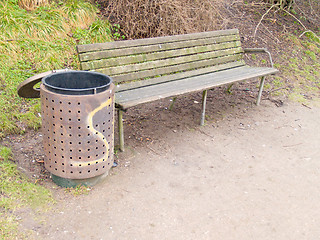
[302, 67]
[78, 190]
[36, 41]
[17, 191]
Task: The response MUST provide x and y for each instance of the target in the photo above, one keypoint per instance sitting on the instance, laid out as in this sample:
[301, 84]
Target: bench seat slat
[177, 76]
[157, 40]
[133, 68]
[137, 96]
[173, 69]
[149, 48]
[139, 58]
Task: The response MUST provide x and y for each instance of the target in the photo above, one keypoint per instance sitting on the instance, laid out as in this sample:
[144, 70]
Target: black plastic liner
[77, 82]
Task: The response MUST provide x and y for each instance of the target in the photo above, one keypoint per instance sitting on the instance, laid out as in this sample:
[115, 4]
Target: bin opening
[77, 82]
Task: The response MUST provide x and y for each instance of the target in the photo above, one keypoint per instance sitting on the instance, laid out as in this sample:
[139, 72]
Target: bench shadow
[150, 123]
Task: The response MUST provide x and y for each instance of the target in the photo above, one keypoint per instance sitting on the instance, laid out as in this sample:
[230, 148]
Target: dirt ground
[249, 173]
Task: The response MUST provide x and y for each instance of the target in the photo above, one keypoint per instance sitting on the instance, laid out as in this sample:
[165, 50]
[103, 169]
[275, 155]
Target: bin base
[68, 183]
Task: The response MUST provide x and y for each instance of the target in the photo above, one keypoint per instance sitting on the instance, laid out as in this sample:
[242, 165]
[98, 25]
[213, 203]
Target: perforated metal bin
[77, 109]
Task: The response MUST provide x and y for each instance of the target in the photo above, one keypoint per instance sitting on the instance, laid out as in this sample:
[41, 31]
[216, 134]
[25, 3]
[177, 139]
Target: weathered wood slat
[148, 48]
[155, 48]
[173, 69]
[119, 61]
[157, 40]
[132, 68]
[177, 76]
[137, 96]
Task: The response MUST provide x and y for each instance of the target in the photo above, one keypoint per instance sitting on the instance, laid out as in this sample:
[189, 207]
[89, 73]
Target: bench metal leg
[204, 100]
[260, 90]
[173, 101]
[120, 126]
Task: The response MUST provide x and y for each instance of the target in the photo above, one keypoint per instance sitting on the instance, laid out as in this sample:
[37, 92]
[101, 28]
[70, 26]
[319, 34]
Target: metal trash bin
[77, 109]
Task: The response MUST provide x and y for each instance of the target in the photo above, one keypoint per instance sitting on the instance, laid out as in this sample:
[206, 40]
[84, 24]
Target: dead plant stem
[255, 31]
[306, 29]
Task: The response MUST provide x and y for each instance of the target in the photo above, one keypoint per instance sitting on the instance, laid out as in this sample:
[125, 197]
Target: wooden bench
[146, 70]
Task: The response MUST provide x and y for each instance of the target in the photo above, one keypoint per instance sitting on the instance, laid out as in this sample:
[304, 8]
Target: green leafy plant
[117, 32]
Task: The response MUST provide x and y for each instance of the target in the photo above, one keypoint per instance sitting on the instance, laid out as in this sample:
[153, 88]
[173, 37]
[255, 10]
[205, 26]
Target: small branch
[312, 11]
[278, 41]
[152, 150]
[293, 145]
[278, 89]
[310, 32]
[205, 133]
[306, 29]
[263, 40]
[306, 106]
[295, 18]
[255, 31]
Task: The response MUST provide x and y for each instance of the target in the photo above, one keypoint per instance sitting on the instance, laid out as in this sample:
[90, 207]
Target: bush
[150, 18]
[282, 3]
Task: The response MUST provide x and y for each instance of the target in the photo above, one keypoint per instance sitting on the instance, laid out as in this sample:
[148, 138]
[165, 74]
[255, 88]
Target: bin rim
[65, 91]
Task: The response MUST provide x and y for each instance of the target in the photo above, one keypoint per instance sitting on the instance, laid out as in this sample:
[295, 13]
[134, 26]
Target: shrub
[149, 18]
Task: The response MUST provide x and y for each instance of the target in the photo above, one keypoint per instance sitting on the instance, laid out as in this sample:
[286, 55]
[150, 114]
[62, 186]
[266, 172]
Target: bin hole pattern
[77, 134]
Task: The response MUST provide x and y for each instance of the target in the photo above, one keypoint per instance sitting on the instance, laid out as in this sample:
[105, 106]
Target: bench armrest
[259, 50]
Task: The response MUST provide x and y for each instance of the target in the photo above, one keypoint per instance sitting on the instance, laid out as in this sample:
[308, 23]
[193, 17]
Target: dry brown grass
[31, 4]
[151, 18]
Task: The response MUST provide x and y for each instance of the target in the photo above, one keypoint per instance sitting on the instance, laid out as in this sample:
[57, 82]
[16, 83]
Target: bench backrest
[133, 60]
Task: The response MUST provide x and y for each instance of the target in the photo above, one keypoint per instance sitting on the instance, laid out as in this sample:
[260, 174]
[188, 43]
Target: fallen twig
[152, 150]
[274, 90]
[278, 41]
[306, 106]
[205, 133]
[293, 145]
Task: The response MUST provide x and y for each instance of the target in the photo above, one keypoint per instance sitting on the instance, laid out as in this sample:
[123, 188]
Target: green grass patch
[17, 191]
[301, 67]
[78, 190]
[311, 54]
[277, 82]
[36, 41]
